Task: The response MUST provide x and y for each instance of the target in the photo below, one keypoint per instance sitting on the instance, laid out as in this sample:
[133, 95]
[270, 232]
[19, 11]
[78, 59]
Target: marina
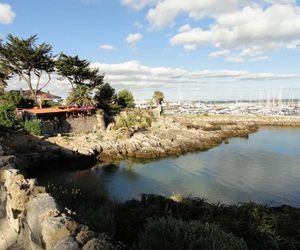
[236, 108]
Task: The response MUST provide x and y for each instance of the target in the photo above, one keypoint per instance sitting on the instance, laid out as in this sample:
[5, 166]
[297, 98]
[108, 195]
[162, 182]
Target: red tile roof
[56, 110]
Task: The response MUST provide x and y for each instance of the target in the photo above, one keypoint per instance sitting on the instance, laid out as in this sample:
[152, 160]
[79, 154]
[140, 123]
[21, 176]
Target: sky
[189, 49]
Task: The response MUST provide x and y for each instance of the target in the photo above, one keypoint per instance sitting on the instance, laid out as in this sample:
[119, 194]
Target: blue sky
[192, 49]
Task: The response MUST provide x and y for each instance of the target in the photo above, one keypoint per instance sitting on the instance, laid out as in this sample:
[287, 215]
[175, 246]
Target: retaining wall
[86, 124]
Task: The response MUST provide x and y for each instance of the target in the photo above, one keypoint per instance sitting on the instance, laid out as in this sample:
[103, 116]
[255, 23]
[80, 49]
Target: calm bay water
[264, 168]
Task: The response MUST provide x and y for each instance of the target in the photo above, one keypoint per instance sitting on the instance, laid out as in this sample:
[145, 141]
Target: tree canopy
[28, 60]
[125, 99]
[106, 98]
[78, 71]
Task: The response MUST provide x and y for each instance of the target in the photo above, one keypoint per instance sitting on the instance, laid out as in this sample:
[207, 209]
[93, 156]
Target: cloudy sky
[189, 49]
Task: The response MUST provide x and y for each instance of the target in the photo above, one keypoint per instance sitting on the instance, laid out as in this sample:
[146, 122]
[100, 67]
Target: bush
[125, 99]
[33, 127]
[135, 121]
[170, 233]
[7, 116]
[49, 103]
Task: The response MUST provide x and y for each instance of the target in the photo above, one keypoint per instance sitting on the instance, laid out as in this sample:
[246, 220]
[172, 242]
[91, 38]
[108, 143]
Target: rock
[53, 229]
[84, 235]
[39, 209]
[67, 243]
[98, 244]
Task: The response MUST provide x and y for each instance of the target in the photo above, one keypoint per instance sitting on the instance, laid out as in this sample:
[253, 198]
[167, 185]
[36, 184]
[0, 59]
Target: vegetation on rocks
[132, 121]
[33, 127]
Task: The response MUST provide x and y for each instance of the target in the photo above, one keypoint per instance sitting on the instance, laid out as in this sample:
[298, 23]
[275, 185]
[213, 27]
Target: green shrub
[7, 116]
[135, 121]
[33, 127]
[170, 233]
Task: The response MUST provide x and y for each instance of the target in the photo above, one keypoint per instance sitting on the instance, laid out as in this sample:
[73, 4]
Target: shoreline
[169, 136]
[182, 133]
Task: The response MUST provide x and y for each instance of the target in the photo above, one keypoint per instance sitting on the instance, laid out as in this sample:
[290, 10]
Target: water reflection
[264, 168]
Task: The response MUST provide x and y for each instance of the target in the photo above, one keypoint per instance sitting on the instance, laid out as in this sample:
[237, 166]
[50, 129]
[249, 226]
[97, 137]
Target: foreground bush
[33, 127]
[170, 233]
[7, 116]
[261, 227]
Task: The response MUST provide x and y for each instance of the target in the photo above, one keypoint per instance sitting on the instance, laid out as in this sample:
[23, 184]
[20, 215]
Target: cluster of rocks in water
[167, 136]
[31, 219]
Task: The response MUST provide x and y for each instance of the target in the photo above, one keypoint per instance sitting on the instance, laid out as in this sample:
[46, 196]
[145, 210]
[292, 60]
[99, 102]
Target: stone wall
[35, 217]
[76, 125]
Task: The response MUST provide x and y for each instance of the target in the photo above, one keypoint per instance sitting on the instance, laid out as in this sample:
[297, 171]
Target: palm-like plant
[158, 97]
[81, 96]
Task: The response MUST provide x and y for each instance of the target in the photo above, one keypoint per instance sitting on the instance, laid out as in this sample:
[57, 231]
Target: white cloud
[135, 74]
[134, 38]
[165, 12]
[260, 58]
[107, 47]
[234, 59]
[137, 4]
[185, 28]
[7, 15]
[252, 31]
[280, 1]
[219, 53]
[247, 28]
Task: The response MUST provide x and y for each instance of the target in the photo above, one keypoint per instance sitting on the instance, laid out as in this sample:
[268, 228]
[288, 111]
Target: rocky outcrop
[32, 152]
[31, 219]
[167, 136]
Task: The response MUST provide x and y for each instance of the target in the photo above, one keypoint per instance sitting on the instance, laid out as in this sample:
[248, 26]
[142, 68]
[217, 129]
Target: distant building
[143, 104]
[41, 96]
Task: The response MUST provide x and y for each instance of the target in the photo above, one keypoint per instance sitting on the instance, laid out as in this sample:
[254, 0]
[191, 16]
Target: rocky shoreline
[166, 137]
[31, 219]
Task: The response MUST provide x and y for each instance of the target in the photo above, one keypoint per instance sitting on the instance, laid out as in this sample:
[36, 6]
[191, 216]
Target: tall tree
[158, 97]
[125, 99]
[28, 60]
[106, 98]
[80, 96]
[78, 72]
